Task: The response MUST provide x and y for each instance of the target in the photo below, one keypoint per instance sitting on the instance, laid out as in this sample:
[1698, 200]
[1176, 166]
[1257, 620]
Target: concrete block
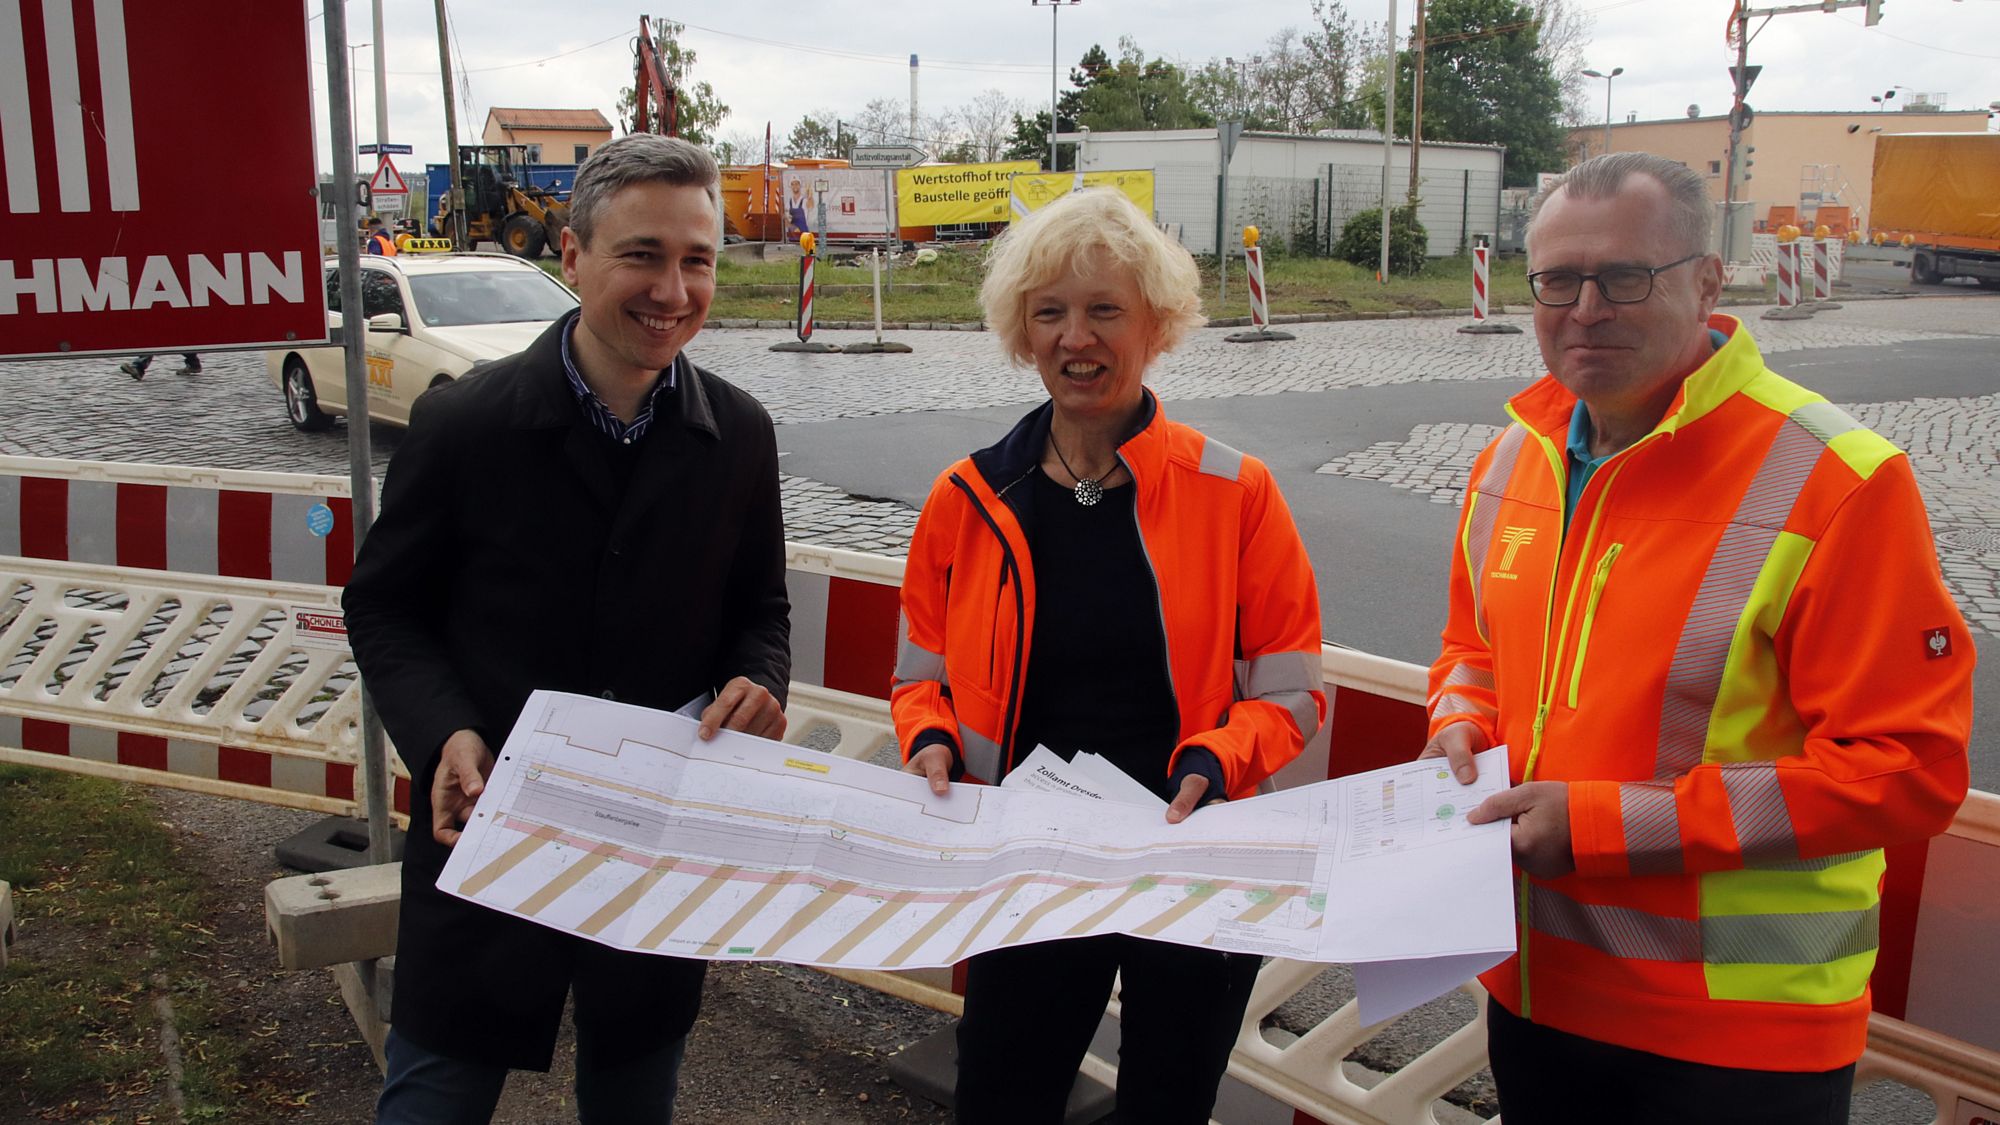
[367, 987]
[6, 921]
[318, 921]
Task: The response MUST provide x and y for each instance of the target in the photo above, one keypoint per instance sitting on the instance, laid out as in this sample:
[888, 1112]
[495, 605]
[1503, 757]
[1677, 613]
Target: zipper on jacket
[1590, 618]
[1159, 595]
[1009, 568]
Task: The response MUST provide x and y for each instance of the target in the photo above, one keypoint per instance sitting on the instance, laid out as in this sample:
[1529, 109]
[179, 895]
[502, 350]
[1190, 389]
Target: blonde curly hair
[1068, 235]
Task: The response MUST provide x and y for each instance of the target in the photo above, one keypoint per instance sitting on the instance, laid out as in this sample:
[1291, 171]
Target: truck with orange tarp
[1938, 194]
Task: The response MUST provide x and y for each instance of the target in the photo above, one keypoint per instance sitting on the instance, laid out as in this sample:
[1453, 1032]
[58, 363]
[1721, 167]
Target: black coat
[519, 548]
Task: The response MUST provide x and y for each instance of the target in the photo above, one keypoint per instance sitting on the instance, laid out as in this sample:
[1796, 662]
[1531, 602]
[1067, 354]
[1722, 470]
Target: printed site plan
[615, 822]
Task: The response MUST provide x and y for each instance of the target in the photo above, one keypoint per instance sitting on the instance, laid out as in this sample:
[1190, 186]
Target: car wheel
[1923, 270]
[523, 236]
[301, 401]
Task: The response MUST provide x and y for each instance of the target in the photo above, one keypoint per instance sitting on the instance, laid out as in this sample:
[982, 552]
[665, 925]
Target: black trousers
[1030, 1012]
[1550, 1077]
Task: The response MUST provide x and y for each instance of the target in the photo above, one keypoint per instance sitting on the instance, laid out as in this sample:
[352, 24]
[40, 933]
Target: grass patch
[950, 293]
[111, 916]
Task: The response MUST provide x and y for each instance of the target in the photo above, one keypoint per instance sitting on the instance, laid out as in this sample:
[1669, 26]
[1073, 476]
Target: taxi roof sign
[387, 181]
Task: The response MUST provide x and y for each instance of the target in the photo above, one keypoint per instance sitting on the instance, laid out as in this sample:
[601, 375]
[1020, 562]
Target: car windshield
[444, 300]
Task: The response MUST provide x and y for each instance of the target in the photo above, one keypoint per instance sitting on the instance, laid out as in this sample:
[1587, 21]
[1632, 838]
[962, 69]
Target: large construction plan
[616, 823]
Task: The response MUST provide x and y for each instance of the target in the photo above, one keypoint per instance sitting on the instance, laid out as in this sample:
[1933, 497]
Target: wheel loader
[500, 206]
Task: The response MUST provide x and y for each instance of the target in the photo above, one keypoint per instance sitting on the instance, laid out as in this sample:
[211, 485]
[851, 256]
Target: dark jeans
[1550, 1077]
[1030, 1012]
[423, 1087]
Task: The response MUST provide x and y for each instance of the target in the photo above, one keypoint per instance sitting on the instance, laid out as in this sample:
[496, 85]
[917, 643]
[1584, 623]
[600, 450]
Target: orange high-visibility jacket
[1237, 603]
[1743, 660]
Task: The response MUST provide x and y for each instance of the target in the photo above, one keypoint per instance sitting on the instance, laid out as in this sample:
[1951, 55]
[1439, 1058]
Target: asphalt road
[1381, 554]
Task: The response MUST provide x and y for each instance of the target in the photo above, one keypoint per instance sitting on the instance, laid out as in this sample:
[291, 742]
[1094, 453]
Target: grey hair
[1690, 210]
[640, 158]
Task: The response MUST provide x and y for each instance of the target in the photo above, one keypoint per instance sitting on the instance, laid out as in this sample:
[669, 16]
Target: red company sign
[154, 193]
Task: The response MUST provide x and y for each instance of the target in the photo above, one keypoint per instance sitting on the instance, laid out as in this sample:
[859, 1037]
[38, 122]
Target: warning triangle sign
[387, 180]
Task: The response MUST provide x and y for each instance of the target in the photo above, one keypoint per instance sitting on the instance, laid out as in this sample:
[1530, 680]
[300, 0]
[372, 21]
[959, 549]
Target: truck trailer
[1938, 194]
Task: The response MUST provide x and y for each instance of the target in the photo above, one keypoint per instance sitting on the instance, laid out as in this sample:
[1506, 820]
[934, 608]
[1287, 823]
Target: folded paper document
[616, 823]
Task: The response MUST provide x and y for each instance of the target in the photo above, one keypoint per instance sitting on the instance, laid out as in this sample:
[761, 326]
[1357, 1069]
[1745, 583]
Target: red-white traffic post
[1791, 263]
[1482, 284]
[807, 243]
[1822, 256]
[1260, 309]
[111, 153]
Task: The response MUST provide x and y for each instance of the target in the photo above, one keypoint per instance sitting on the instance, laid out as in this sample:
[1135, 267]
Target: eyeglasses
[1620, 285]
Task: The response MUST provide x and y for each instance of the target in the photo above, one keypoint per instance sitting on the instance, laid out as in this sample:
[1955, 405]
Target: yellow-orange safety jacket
[1238, 605]
[1742, 658]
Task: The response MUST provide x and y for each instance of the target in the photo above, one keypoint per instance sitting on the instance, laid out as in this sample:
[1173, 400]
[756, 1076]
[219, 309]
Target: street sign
[387, 181]
[385, 149]
[101, 254]
[887, 156]
[1743, 78]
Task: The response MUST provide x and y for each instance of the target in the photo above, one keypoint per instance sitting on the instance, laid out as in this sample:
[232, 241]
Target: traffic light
[1874, 14]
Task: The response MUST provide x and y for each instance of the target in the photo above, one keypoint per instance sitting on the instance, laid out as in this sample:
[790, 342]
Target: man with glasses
[1700, 607]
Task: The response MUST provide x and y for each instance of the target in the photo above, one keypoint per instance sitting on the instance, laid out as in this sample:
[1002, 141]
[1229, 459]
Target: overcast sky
[775, 60]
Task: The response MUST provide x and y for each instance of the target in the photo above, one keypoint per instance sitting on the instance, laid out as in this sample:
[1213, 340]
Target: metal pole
[1055, 8]
[1735, 140]
[450, 134]
[875, 264]
[1417, 102]
[381, 90]
[889, 220]
[353, 330]
[1388, 139]
[1607, 112]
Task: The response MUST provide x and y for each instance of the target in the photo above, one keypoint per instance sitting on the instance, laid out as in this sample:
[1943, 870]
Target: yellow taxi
[431, 318]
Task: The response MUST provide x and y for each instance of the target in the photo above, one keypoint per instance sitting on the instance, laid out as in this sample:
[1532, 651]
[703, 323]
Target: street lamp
[1055, 9]
[1615, 72]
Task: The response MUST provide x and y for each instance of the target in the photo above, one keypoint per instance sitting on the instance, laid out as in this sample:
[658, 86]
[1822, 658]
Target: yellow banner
[1033, 191]
[929, 195]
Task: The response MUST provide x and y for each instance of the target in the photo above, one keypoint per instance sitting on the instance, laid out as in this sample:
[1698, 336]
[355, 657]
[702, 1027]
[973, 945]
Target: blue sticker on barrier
[319, 520]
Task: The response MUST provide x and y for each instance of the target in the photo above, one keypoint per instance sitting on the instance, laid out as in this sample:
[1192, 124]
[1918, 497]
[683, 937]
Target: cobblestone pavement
[1951, 451]
[231, 416]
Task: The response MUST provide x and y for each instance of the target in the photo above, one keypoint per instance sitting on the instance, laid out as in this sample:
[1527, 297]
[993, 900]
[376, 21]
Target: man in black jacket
[595, 514]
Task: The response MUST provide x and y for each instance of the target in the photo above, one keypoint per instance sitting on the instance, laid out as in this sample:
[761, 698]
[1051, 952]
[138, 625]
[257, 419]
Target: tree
[1140, 93]
[1030, 141]
[987, 120]
[699, 114]
[739, 146]
[808, 138]
[1564, 36]
[884, 121]
[1486, 81]
[1338, 49]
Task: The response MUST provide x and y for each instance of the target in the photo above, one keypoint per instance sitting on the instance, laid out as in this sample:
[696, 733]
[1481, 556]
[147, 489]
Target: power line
[864, 56]
[1913, 43]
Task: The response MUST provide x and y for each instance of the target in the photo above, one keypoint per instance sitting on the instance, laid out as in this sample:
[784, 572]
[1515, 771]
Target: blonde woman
[1103, 579]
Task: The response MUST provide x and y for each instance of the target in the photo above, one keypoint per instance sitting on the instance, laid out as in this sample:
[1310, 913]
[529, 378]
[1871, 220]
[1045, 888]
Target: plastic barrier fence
[176, 626]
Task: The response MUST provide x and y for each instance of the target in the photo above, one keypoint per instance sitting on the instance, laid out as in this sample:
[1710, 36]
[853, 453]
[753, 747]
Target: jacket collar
[1013, 457]
[1547, 405]
[543, 400]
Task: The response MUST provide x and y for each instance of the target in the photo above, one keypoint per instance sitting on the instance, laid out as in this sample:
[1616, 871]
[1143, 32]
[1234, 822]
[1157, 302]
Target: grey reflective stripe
[1447, 702]
[1487, 492]
[981, 754]
[1218, 460]
[1285, 679]
[1789, 939]
[1821, 864]
[1824, 420]
[915, 662]
[1652, 827]
[1757, 805]
[1618, 930]
[1742, 939]
[1695, 677]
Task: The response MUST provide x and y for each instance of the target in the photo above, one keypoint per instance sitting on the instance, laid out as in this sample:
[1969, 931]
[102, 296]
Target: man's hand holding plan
[616, 823]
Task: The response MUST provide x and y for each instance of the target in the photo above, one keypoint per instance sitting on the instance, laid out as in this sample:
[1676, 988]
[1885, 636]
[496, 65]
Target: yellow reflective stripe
[1829, 982]
[1694, 679]
[1753, 719]
[1847, 885]
[1590, 617]
[1483, 510]
[1861, 449]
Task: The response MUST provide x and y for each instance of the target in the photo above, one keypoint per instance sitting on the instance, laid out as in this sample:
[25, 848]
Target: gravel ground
[775, 1043]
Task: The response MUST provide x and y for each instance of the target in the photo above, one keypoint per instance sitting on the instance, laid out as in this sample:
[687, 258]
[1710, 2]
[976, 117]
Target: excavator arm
[655, 98]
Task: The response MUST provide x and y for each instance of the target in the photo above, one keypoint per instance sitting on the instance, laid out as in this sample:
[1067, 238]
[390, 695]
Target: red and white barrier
[1260, 306]
[805, 324]
[1482, 284]
[1793, 267]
